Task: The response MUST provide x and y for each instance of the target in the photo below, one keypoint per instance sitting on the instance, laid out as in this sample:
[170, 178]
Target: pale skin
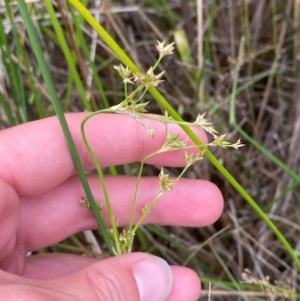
[39, 206]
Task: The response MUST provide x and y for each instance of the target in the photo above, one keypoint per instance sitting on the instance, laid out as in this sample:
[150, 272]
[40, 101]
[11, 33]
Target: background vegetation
[263, 108]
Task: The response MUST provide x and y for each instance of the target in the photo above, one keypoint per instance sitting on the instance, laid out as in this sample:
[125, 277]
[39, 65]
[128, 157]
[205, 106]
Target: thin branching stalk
[101, 177]
[171, 111]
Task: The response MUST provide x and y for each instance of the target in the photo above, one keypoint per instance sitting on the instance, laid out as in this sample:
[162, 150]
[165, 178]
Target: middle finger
[59, 213]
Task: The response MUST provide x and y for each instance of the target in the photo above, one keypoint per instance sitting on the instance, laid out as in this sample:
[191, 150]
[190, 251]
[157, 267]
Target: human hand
[39, 206]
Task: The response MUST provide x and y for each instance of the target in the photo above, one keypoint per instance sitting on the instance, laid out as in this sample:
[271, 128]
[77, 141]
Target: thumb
[134, 277]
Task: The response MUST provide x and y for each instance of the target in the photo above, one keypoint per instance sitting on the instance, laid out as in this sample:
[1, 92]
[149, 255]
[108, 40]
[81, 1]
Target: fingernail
[153, 278]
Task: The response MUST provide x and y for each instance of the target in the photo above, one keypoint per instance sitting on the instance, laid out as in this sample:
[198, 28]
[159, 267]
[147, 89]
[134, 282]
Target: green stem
[135, 195]
[146, 212]
[160, 193]
[101, 177]
[126, 93]
[157, 63]
[137, 186]
[143, 94]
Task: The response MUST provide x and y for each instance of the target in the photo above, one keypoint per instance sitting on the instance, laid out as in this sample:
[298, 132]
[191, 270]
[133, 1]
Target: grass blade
[60, 114]
[68, 55]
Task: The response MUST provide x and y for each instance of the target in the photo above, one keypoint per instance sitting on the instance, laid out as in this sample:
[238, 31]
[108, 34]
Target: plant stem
[101, 177]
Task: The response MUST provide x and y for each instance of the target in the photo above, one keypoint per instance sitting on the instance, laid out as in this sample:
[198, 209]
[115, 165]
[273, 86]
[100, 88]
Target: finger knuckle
[106, 285]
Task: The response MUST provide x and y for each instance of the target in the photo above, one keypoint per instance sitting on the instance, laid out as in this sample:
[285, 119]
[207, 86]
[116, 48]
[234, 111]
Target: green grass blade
[7, 110]
[11, 72]
[19, 80]
[29, 75]
[68, 55]
[229, 274]
[212, 15]
[82, 42]
[242, 88]
[60, 114]
[276, 61]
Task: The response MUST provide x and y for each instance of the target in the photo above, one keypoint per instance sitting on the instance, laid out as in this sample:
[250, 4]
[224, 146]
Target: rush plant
[134, 106]
[118, 52]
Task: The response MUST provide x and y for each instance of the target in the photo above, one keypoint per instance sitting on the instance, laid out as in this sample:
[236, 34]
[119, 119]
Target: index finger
[35, 156]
